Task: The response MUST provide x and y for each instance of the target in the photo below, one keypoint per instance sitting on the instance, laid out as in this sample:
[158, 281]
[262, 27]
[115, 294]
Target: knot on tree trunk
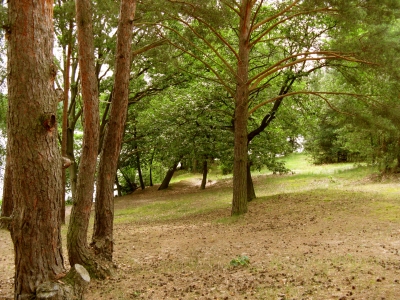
[48, 122]
[66, 162]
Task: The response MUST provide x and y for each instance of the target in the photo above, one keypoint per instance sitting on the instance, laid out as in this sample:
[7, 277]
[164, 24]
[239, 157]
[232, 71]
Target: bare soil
[300, 246]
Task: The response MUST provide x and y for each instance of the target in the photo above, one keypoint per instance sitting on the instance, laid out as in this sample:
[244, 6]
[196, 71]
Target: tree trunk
[205, 171]
[151, 176]
[65, 124]
[73, 169]
[167, 179]
[102, 241]
[104, 121]
[142, 185]
[239, 202]
[251, 194]
[139, 169]
[33, 150]
[119, 190]
[151, 168]
[78, 249]
[7, 204]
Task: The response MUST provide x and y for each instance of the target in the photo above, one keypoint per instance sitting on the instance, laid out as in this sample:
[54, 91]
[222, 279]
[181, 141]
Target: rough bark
[239, 202]
[32, 137]
[102, 241]
[167, 179]
[205, 172]
[78, 249]
[7, 200]
[72, 286]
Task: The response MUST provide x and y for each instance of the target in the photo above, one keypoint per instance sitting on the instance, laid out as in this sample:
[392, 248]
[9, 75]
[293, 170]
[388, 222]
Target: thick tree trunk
[239, 202]
[167, 179]
[78, 249]
[205, 172]
[32, 137]
[7, 202]
[102, 241]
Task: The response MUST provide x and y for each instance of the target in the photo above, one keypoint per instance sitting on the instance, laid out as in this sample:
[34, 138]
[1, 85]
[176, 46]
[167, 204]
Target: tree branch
[278, 66]
[148, 47]
[318, 94]
[274, 16]
[283, 21]
[228, 66]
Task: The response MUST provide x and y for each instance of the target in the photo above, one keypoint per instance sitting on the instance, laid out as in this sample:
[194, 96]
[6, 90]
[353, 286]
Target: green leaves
[240, 261]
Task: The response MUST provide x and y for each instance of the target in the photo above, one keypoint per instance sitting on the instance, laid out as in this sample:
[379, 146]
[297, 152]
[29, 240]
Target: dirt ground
[299, 246]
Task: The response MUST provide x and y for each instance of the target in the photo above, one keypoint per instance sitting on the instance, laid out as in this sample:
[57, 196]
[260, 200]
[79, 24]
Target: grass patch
[386, 211]
[230, 220]
[180, 206]
[329, 184]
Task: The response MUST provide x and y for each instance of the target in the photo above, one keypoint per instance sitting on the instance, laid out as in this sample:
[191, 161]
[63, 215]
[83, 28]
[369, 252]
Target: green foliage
[69, 201]
[184, 80]
[240, 261]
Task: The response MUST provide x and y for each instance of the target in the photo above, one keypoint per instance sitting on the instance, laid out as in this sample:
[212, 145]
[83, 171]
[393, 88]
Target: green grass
[386, 211]
[181, 206]
[325, 183]
[300, 163]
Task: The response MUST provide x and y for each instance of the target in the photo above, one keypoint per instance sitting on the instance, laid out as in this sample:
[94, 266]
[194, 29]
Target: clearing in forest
[327, 232]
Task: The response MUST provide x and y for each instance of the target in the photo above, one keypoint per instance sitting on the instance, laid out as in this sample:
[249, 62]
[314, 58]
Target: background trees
[256, 51]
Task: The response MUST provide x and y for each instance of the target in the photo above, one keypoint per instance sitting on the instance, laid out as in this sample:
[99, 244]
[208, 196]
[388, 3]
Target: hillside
[327, 232]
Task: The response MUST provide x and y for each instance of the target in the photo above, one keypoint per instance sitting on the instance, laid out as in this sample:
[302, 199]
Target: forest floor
[307, 236]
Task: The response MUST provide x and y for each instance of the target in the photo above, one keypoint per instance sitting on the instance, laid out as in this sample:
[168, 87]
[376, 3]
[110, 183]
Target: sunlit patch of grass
[179, 207]
[183, 175]
[230, 220]
[300, 163]
[386, 211]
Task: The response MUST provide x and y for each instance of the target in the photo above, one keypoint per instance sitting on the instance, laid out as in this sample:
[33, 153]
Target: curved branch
[211, 68]
[231, 7]
[319, 94]
[274, 16]
[278, 66]
[148, 47]
[209, 44]
[284, 20]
